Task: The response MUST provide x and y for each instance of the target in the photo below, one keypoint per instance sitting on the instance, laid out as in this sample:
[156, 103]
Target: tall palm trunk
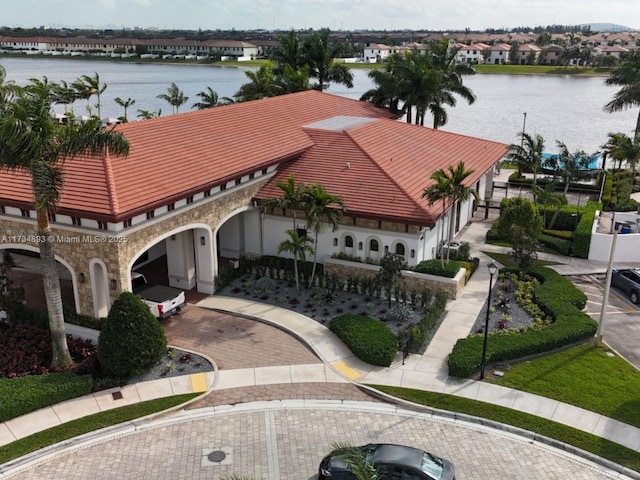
[60, 350]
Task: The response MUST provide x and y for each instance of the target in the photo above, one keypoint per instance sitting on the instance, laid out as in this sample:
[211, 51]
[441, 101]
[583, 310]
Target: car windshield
[431, 465]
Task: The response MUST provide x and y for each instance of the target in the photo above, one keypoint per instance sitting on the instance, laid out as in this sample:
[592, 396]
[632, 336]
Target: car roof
[398, 454]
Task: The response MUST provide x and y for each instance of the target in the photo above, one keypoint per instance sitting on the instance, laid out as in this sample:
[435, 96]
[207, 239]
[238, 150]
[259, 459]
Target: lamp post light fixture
[493, 268]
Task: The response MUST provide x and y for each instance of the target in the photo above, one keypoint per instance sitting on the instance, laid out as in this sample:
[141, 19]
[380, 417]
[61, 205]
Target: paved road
[622, 318]
[288, 443]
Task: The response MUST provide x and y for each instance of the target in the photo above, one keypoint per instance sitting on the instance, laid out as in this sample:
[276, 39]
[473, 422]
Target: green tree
[320, 55]
[124, 104]
[528, 154]
[521, 212]
[547, 197]
[438, 191]
[64, 95]
[131, 339]
[174, 97]
[293, 198]
[32, 142]
[621, 147]
[524, 247]
[458, 192]
[627, 75]
[391, 266]
[92, 86]
[262, 85]
[288, 52]
[209, 99]
[298, 246]
[321, 207]
[148, 114]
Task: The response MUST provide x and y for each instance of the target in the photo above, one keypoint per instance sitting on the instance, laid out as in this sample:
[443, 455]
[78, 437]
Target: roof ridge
[111, 184]
[385, 172]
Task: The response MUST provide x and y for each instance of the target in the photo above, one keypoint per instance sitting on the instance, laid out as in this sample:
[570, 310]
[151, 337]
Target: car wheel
[633, 296]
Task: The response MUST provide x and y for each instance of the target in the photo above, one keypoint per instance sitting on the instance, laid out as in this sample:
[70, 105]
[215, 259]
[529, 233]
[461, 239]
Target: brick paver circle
[288, 443]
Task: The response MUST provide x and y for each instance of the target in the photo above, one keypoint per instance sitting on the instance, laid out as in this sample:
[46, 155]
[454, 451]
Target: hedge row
[582, 235]
[559, 298]
[419, 333]
[22, 395]
[369, 339]
[434, 267]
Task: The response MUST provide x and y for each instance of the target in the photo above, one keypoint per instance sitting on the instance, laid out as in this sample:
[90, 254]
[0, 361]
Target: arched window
[374, 246]
[348, 241]
[399, 249]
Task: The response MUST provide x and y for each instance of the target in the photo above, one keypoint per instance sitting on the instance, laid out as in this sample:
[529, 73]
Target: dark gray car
[627, 280]
[391, 462]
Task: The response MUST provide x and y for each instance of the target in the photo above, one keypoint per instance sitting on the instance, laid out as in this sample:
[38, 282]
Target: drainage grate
[117, 395]
[217, 456]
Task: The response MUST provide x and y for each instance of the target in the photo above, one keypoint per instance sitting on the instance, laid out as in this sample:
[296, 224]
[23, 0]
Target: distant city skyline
[454, 15]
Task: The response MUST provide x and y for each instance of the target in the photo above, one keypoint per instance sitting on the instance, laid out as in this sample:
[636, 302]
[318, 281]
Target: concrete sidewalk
[426, 372]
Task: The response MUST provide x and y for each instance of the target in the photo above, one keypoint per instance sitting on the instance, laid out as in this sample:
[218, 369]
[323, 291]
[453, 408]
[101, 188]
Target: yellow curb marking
[346, 370]
[198, 382]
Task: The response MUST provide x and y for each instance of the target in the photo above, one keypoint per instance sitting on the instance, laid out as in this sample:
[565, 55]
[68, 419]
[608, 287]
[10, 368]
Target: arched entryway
[181, 258]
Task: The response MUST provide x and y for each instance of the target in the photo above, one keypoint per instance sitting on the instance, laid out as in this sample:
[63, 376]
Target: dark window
[151, 214]
[374, 246]
[102, 225]
[207, 193]
[302, 232]
[25, 213]
[189, 200]
[171, 207]
[127, 223]
[223, 187]
[399, 249]
[348, 241]
[76, 221]
[238, 181]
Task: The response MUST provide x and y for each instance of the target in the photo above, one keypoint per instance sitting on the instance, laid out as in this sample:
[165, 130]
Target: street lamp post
[492, 270]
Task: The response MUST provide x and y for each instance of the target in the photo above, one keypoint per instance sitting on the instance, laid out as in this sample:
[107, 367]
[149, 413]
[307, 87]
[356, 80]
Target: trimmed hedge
[582, 235]
[369, 339]
[563, 247]
[559, 298]
[434, 267]
[22, 395]
[419, 333]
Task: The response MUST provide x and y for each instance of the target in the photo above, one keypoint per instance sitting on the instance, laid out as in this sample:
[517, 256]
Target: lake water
[565, 108]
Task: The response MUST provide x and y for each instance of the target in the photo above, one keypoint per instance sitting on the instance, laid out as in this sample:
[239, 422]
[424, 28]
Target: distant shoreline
[480, 69]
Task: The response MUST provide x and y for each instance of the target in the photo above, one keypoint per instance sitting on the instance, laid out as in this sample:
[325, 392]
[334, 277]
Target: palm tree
[528, 155]
[626, 75]
[293, 198]
[124, 104]
[288, 52]
[262, 84]
[320, 54]
[174, 97]
[83, 92]
[443, 61]
[438, 191]
[298, 246]
[321, 205]
[31, 141]
[147, 114]
[621, 147]
[93, 87]
[209, 99]
[64, 95]
[458, 192]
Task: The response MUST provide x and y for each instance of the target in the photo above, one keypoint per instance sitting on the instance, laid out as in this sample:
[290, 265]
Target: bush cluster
[563, 247]
[371, 340]
[131, 339]
[558, 298]
[419, 333]
[22, 395]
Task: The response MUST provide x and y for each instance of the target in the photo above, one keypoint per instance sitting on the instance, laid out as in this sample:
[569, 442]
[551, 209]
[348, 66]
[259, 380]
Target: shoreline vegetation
[480, 69]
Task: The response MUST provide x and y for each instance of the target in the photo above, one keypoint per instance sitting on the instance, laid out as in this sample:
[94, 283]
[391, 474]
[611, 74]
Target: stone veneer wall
[117, 255]
[412, 280]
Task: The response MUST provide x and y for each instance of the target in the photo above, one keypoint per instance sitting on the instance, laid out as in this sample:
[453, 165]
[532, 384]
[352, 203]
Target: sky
[302, 14]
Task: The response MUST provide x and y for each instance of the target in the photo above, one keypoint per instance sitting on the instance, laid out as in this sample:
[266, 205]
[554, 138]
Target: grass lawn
[88, 424]
[585, 441]
[585, 376]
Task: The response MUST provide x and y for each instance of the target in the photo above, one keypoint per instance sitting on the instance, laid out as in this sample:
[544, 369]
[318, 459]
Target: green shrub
[131, 339]
[557, 297]
[71, 316]
[22, 395]
[369, 339]
[582, 235]
[563, 247]
[434, 267]
[434, 312]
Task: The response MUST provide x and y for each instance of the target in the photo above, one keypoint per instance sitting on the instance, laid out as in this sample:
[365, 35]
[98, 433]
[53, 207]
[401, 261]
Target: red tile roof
[175, 156]
[380, 168]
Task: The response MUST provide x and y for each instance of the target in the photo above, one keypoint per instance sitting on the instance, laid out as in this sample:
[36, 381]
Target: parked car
[391, 462]
[163, 301]
[627, 280]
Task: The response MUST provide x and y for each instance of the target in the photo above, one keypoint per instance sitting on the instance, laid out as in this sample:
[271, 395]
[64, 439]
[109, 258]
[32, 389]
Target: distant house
[613, 50]
[378, 52]
[499, 54]
[471, 53]
[528, 54]
[551, 55]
